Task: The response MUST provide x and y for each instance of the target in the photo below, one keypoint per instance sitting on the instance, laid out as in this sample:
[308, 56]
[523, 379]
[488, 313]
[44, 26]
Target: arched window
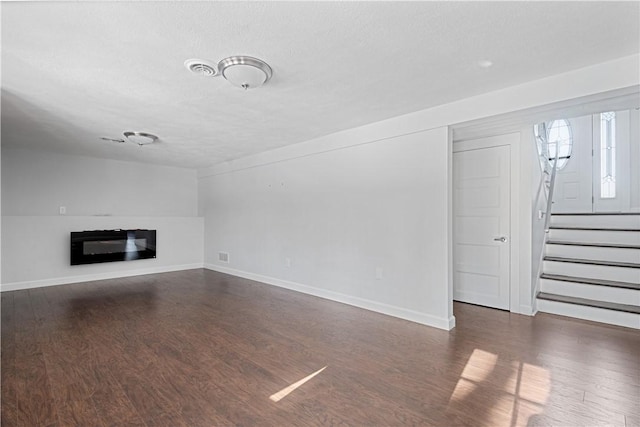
[552, 136]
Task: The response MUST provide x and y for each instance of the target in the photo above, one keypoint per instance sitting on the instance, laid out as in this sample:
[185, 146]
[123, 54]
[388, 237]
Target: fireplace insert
[88, 247]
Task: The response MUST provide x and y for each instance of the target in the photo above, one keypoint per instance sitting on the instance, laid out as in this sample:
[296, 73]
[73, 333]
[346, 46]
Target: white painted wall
[0, 206]
[365, 225]
[98, 194]
[38, 183]
[634, 140]
[35, 249]
[524, 181]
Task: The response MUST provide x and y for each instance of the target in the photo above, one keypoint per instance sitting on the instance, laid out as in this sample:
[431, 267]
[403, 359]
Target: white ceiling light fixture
[244, 71]
[140, 138]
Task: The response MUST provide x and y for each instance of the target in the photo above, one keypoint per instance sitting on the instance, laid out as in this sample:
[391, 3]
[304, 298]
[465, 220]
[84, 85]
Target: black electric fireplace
[88, 247]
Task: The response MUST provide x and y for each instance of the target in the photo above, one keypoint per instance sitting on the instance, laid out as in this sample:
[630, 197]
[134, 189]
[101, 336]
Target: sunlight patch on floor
[511, 393]
[276, 397]
[479, 365]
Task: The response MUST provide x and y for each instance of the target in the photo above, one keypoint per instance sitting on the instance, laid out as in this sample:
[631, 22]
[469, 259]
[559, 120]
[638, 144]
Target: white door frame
[513, 141]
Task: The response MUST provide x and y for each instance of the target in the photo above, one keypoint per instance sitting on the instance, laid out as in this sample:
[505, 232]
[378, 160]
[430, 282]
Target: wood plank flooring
[200, 348]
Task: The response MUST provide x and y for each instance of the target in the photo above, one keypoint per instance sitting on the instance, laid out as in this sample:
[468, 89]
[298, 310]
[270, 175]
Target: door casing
[518, 199]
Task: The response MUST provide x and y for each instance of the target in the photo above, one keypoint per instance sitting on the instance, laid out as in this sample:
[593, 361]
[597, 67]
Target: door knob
[500, 239]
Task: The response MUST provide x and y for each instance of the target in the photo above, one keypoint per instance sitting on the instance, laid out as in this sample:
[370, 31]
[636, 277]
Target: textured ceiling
[73, 72]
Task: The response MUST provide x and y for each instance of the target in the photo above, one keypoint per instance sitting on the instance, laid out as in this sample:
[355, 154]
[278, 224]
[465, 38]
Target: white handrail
[552, 185]
[547, 211]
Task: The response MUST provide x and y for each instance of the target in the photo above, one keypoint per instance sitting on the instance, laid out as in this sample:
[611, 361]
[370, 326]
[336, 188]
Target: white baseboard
[402, 313]
[526, 310]
[5, 287]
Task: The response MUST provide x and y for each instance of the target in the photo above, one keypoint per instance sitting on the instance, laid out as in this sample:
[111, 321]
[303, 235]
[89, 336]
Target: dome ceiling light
[241, 71]
[244, 71]
[140, 138]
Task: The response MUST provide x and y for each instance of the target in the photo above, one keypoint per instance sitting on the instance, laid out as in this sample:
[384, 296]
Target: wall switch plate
[378, 273]
[287, 262]
[63, 210]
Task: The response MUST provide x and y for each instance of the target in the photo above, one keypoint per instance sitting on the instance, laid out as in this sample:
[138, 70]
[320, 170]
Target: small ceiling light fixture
[244, 71]
[485, 63]
[141, 138]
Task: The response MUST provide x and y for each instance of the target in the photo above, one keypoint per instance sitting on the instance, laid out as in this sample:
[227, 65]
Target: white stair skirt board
[595, 221]
[593, 292]
[629, 320]
[604, 272]
[593, 252]
[593, 236]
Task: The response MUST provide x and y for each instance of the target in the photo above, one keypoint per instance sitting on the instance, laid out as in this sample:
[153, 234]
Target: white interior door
[612, 161]
[481, 224]
[572, 192]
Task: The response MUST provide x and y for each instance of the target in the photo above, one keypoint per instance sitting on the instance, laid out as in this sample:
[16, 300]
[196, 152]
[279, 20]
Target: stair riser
[621, 274]
[609, 221]
[594, 253]
[593, 292]
[630, 320]
[596, 236]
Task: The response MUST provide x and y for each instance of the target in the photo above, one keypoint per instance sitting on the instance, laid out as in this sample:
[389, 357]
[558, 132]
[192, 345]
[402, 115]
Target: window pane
[559, 138]
[608, 155]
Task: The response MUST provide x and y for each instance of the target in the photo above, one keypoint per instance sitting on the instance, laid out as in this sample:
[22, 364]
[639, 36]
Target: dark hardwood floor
[199, 348]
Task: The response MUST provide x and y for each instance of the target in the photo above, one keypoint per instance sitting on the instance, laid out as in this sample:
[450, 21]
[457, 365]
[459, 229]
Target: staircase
[591, 268]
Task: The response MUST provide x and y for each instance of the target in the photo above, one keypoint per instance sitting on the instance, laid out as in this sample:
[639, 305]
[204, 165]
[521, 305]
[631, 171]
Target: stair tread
[589, 302]
[592, 262]
[590, 281]
[567, 227]
[594, 213]
[595, 244]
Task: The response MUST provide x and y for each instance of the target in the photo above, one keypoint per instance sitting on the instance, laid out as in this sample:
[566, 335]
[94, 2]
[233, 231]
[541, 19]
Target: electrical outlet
[287, 262]
[379, 273]
[63, 210]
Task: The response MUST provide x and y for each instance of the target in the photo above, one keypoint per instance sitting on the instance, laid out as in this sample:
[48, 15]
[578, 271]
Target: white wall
[634, 140]
[35, 249]
[366, 225]
[98, 194]
[0, 207]
[38, 183]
